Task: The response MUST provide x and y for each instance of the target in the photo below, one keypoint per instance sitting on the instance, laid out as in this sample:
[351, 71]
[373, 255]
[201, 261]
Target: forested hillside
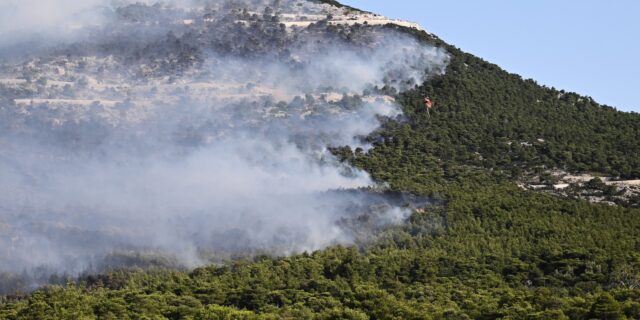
[486, 117]
[494, 252]
[485, 249]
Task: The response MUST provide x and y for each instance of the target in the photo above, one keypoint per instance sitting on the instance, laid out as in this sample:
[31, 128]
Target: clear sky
[588, 46]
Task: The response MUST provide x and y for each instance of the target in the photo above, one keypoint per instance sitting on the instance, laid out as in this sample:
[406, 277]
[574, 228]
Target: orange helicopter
[428, 104]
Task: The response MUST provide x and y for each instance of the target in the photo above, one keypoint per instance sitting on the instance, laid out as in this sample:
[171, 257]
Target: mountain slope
[489, 118]
[501, 112]
[486, 250]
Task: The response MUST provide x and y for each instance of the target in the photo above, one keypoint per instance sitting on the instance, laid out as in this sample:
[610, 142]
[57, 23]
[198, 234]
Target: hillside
[479, 246]
[488, 118]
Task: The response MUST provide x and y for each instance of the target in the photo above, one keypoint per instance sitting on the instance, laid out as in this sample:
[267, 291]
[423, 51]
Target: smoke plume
[191, 129]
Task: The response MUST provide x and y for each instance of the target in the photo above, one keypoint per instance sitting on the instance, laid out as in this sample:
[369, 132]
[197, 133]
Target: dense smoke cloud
[23, 21]
[192, 137]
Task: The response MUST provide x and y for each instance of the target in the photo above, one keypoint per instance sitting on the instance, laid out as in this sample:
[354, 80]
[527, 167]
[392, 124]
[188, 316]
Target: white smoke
[226, 154]
[28, 20]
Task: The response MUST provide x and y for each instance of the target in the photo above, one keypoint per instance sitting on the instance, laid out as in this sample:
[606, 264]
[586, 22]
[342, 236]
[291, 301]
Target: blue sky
[588, 46]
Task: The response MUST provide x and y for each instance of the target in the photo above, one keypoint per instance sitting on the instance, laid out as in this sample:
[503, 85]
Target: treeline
[493, 253]
[487, 117]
